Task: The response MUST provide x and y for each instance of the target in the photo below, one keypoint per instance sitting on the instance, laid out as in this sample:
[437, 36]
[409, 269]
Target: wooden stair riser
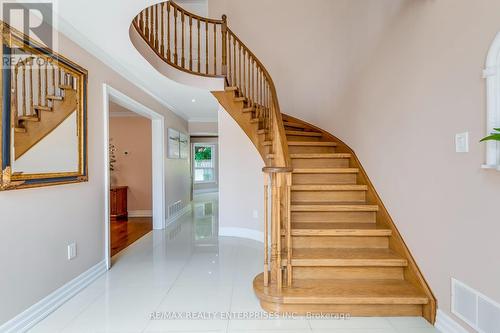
[335, 242]
[322, 179]
[358, 273]
[354, 310]
[328, 196]
[303, 138]
[310, 149]
[334, 217]
[320, 162]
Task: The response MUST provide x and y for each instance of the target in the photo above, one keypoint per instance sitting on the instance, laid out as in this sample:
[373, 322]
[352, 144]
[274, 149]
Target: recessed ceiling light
[193, 100]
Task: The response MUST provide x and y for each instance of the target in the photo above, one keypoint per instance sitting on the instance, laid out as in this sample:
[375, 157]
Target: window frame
[214, 161]
[492, 75]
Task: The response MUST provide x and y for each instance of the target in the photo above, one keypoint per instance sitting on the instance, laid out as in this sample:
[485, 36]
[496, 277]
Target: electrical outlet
[462, 142]
[71, 251]
[255, 214]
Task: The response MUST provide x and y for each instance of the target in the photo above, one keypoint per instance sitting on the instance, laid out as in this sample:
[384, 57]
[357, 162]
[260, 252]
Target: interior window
[204, 164]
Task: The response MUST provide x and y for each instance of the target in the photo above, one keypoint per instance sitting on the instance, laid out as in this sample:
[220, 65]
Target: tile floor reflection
[189, 268]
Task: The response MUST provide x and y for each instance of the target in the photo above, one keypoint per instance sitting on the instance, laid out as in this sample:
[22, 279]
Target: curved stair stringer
[424, 303]
[244, 120]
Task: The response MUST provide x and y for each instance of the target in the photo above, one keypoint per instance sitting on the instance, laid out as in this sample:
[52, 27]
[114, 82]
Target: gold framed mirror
[43, 115]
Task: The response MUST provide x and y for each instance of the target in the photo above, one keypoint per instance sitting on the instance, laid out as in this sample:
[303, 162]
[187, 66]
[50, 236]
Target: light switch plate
[71, 251]
[462, 142]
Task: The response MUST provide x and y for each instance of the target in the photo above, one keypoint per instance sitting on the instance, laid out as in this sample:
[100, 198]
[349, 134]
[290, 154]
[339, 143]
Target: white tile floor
[188, 268]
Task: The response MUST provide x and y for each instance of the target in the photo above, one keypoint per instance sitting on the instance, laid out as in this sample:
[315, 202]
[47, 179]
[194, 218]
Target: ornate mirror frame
[10, 39]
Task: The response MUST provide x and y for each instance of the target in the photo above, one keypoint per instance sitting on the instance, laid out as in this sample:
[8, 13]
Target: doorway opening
[133, 169]
[205, 164]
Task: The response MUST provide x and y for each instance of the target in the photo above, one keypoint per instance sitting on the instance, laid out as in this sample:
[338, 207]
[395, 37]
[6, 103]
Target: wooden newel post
[224, 44]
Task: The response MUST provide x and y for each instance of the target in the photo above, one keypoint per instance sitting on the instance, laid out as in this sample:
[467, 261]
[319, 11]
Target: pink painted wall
[132, 135]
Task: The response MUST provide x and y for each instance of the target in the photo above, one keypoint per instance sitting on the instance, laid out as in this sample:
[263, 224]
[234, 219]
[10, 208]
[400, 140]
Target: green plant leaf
[497, 129]
[493, 137]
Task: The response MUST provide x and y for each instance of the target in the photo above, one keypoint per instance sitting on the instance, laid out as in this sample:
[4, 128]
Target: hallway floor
[186, 269]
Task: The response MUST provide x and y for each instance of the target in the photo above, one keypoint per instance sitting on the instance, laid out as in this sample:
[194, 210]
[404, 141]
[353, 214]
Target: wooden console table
[118, 202]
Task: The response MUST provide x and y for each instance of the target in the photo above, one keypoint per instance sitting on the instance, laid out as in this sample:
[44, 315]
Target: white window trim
[213, 159]
[492, 75]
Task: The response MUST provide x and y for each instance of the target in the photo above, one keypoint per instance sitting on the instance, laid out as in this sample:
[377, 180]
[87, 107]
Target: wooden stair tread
[240, 99]
[329, 187]
[231, 88]
[19, 129]
[303, 133]
[294, 124]
[343, 291]
[65, 86]
[42, 108]
[250, 109]
[356, 257]
[321, 155]
[326, 170]
[54, 97]
[324, 207]
[313, 143]
[29, 118]
[339, 229]
[254, 120]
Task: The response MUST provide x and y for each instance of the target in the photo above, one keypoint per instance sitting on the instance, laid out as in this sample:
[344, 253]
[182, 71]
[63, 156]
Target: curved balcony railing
[207, 47]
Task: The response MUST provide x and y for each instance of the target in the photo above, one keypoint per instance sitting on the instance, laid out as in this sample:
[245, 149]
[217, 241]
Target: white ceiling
[102, 27]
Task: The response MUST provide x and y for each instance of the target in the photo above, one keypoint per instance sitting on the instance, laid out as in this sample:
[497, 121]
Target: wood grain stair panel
[365, 297]
[54, 97]
[339, 242]
[292, 124]
[320, 160]
[298, 147]
[43, 108]
[29, 118]
[249, 109]
[328, 193]
[350, 273]
[303, 133]
[324, 176]
[240, 99]
[37, 130]
[340, 229]
[333, 208]
[345, 257]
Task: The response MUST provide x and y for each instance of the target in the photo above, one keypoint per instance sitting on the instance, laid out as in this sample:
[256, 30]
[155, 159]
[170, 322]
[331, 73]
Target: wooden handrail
[220, 53]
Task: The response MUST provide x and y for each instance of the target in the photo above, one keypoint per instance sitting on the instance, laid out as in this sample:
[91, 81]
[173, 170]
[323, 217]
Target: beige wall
[396, 79]
[203, 128]
[37, 224]
[241, 184]
[131, 137]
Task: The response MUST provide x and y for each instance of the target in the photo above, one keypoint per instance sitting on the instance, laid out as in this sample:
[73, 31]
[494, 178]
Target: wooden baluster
[239, 67]
[248, 79]
[215, 49]
[53, 79]
[14, 96]
[234, 62]
[23, 82]
[141, 21]
[190, 43]
[229, 72]
[31, 86]
[175, 35]
[266, 229]
[183, 60]
[288, 180]
[199, 45]
[39, 99]
[206, 46]
[252, 80]
[46, 83]
[243, 87]
[224, 46]
[162, 25]
[169, 38]
[146, 29]
[156, 34]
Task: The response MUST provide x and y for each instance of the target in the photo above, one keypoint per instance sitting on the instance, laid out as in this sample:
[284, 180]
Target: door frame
[110, 94]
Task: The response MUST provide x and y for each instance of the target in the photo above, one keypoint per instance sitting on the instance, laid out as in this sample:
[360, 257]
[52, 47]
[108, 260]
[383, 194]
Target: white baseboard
[140, 213]
[446, 324]
[38, 311]
[242, 233]
[181, 212]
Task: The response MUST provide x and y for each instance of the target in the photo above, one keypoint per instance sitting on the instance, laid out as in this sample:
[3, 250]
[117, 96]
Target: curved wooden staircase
[330, 244]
